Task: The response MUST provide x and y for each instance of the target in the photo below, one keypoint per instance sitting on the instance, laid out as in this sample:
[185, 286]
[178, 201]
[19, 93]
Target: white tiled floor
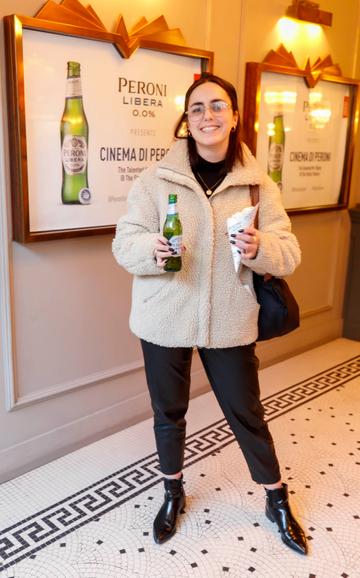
[89, 514]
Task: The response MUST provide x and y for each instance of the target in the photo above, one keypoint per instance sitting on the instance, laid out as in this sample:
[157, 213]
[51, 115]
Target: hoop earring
[188, 133]
[233, 128]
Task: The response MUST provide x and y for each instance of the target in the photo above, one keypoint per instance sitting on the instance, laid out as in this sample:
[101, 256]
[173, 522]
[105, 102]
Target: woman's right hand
[162, 250]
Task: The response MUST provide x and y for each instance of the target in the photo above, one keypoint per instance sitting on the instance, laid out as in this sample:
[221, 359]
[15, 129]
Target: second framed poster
[302, 135]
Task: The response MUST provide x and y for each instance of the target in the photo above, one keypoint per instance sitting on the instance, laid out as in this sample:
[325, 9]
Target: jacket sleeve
[133, 245]
[279, 252]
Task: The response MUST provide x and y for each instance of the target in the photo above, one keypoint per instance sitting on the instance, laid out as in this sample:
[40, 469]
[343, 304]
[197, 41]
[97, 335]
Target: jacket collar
[175, 167]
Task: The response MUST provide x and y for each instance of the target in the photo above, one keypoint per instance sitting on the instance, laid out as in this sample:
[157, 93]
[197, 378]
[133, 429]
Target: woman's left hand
[247, 242]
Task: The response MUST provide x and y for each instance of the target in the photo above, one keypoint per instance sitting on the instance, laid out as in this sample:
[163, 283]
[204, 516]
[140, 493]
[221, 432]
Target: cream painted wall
[64, 304]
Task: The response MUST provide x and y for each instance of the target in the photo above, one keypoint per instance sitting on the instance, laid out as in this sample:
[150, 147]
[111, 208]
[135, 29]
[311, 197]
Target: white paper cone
[240, 220]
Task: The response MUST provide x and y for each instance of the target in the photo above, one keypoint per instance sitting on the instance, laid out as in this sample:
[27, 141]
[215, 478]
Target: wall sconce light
[309, 11]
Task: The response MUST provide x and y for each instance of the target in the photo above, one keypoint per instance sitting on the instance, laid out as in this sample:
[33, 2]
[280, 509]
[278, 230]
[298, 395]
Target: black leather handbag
[279, 311]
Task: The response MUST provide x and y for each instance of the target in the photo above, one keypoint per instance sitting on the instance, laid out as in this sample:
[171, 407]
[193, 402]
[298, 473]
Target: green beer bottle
[74, 142]
[276, 150]
[173, 232]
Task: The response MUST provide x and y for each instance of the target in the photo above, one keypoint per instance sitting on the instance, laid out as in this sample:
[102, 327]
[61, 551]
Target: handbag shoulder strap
[254, 194]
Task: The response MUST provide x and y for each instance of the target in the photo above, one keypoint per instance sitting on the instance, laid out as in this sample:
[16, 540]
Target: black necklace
[209, 190]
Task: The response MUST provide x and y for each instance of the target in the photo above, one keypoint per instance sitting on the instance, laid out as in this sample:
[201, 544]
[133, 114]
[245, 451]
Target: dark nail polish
[233, 235]
[240, 230]
[232, 242]
[239, 251]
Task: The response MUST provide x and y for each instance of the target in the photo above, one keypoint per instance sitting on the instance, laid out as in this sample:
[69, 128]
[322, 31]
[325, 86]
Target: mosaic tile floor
[89, 514]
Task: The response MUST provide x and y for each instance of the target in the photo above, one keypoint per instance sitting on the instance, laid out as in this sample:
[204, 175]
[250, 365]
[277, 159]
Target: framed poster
[300, 126]
[85, 118]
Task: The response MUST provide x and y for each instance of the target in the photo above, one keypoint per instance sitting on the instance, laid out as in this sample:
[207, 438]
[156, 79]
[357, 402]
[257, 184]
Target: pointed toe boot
[174, 501]
[278, 510]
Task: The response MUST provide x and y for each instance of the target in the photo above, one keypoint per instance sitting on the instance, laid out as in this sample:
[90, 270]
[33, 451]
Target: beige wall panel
[75, 299]
[322, 239]
[224, 37]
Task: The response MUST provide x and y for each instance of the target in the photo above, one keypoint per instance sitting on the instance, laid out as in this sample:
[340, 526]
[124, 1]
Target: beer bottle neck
[73, 87]
[172, 209]
[278, 119]
[74, 107]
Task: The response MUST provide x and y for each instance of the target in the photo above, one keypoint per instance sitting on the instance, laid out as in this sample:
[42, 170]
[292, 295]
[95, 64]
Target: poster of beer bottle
[74, 131]
[276, 149]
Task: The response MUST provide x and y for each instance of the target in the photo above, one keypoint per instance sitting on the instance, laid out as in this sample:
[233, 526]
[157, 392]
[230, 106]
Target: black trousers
[233, 376]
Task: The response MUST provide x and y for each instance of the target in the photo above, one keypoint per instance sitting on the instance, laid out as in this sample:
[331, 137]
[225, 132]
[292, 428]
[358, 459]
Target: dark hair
[234, 150]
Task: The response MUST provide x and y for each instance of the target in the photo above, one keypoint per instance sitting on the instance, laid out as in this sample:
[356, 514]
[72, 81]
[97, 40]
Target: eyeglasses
[197, 111]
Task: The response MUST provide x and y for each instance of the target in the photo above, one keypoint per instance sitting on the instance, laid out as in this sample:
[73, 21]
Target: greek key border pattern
[28, 536]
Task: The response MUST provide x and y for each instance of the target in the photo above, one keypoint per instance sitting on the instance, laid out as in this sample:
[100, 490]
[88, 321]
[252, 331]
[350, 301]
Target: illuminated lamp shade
[309, 11]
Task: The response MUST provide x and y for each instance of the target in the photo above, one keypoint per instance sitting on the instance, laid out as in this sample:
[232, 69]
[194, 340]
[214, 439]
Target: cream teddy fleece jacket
[206, 304]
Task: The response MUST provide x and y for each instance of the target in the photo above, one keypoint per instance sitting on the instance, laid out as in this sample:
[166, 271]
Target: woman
[207, 304]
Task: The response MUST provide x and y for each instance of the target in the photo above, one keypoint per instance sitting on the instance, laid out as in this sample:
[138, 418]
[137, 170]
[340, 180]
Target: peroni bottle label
[74, 154]
[73, 87]
[176, 242]
[172, 230]
[276, 157]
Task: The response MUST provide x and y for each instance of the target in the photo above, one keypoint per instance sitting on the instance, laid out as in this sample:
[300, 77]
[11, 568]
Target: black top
[209, 175]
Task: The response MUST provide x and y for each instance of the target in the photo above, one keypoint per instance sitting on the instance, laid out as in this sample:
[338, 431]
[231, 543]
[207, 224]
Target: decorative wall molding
[8, 365]
[38, 450]
[7, 353]
[14, 401]
[313, 72]
[73, 13]
[52, 444]
[316, 311]
[21, 401]
[17, 401]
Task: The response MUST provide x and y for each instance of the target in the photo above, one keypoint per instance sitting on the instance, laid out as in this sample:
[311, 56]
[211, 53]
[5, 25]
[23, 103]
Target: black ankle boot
[278, 510]
[174, 502]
